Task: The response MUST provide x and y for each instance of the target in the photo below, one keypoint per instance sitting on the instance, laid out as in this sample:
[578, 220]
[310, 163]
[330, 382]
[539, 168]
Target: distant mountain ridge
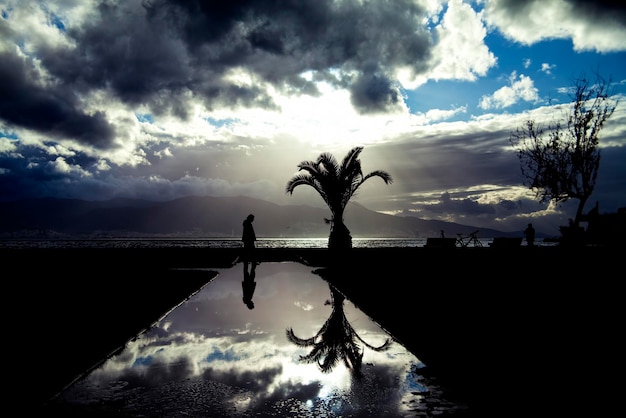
[209, 217]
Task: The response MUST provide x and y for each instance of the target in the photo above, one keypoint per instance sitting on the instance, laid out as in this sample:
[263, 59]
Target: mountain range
[215, 217]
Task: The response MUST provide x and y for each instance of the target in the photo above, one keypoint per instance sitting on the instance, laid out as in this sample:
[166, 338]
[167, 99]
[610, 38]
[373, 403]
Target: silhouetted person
[529, 232]
[248, 237]
[248, 285]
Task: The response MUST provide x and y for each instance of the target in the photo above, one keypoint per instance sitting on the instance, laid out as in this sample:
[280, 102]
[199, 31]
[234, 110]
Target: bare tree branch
[560, 161]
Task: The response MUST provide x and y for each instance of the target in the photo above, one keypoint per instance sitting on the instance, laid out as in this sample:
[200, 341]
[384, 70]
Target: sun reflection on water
[214, 355]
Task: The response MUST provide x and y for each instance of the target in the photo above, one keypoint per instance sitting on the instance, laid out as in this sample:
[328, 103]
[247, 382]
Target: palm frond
[351, 158]
[303, 179]
[328, 162]
[336, 184]
[300, 342]
[383, 347]
[380, 173]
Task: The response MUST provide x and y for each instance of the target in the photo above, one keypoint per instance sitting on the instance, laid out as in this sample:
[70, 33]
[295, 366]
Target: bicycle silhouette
[470, 240]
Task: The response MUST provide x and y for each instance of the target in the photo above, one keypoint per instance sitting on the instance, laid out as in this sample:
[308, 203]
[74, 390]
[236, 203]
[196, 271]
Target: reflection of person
[529, 232]
[248, 237]
[248, 285]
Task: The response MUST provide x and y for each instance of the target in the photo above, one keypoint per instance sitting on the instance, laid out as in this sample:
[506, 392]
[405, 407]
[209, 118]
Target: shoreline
[475, 316]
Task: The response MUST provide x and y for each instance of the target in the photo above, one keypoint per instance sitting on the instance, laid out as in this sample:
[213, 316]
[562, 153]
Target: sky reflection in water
[213, 355]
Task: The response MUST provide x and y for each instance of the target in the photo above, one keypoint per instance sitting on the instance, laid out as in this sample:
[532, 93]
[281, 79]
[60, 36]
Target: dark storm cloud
[34, 174]
[373, 93]
[593, 10]
[600, 10]
[278, 41]
[162, 53]
[51, 110]
[445, 162]
[610, 188]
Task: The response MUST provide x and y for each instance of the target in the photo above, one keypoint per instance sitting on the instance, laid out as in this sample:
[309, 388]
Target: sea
[124, 242]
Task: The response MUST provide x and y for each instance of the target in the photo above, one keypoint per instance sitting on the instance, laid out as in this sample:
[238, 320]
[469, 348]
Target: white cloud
[547, 68]
[519, 89]
[7, 145]
[533, 21]
[461, 53]
[242, 127]
[60, 165]
[438, 115]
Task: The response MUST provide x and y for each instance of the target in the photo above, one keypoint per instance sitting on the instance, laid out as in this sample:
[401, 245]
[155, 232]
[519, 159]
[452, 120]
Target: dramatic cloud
[160, 99]
[591, 25]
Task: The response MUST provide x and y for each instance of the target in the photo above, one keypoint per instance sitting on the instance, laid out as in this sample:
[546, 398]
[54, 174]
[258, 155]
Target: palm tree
[335, 341]
[336, 184]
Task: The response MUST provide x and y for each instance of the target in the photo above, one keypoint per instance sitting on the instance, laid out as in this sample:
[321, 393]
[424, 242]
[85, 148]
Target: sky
[161, 99]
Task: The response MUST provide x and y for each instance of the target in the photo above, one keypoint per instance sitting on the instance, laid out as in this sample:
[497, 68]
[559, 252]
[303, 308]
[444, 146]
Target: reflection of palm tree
[336, 184]
[335, 341]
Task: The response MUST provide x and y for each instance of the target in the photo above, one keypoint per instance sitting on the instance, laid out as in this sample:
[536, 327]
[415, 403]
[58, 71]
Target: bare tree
[560, 160]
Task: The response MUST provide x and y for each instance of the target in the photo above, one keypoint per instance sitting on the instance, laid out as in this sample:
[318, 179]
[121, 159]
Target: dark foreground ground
[533, 330]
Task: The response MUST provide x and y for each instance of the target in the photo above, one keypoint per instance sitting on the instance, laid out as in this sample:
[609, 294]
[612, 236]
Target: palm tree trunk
[340, 238]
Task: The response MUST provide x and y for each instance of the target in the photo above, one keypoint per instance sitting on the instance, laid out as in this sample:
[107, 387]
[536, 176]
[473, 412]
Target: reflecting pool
[268, 340]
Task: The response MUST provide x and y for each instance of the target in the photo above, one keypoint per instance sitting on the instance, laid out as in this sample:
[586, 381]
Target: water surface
[276, 340]
[119, 242]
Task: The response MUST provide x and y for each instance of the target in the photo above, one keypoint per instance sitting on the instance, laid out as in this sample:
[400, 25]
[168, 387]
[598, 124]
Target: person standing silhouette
[248, 285]
[529, 232]
[248, 237]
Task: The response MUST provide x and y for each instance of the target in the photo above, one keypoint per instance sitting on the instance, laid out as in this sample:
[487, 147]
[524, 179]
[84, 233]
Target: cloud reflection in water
[213, 355]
